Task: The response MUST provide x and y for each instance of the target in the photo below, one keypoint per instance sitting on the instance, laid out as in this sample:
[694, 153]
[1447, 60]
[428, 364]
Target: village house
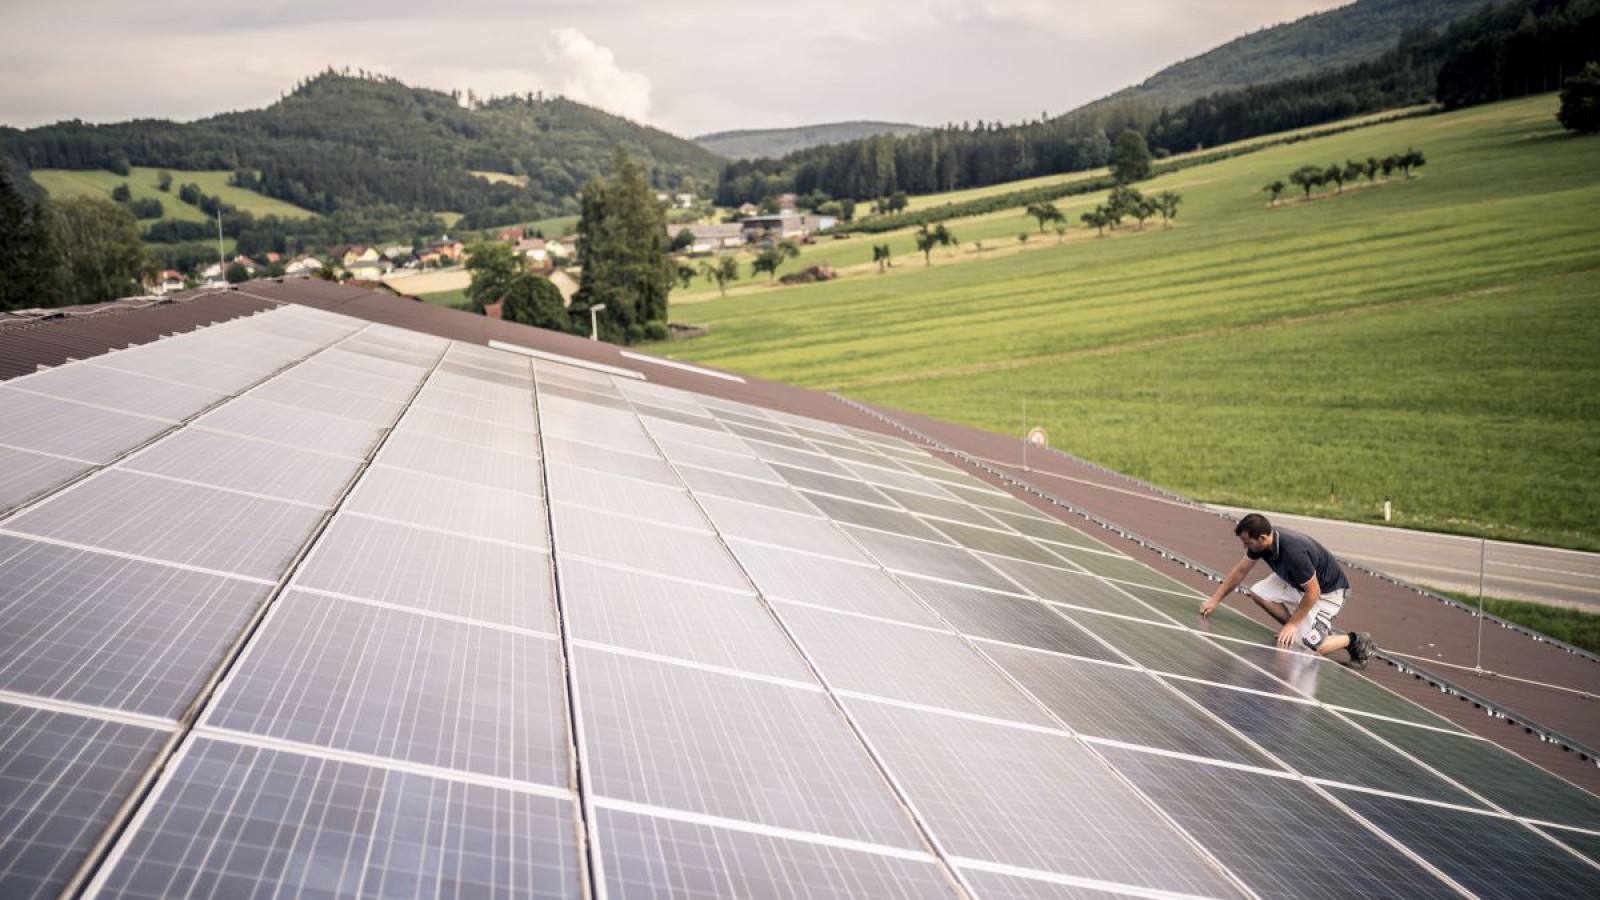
[303, 265]
[447, 249]
[169, 281]
[709, 238]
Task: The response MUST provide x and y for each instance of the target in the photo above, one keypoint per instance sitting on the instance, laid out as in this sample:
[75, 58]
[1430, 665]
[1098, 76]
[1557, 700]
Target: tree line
[79, 250]
[1499, 52]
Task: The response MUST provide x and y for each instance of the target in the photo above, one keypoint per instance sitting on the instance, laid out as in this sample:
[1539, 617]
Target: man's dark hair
[1254, 525]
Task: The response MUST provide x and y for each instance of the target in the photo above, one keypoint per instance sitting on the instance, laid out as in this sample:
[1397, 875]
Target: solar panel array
[302, 606]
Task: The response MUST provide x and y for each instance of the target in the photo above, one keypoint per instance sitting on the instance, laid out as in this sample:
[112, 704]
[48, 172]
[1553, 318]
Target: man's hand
[1286, 634]
[1211, 604]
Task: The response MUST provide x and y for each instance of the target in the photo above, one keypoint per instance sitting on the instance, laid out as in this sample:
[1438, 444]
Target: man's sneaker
[1361, 647]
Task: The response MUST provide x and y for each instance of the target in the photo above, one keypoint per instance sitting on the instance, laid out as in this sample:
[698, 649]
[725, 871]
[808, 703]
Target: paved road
[1451, 563]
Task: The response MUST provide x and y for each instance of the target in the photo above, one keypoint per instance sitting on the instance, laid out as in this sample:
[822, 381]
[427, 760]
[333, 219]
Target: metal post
[1483, 552]
[222, 264]
[1024, 434]
[594, 322]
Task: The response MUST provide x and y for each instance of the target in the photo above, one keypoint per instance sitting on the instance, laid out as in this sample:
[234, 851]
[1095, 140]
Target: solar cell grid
[1585, 843]
[574, 378]
[462, 462]
[240, 821]
[550, 388]
[999, 543]
[646, 500]
[1276, 834]
[61, 778]
[434, 572]
[1028, 798]
[475, 432]
[346, 675]
[563, 451]
[647, 856]
[623, 436]
[717, 461]
[574, 418]
[699, 623]
[1007, 617]
[830, 484]
[472, 510]
[913, 665]
[25, 475]
[671, 414]
[992, 885]
[1516, 785]
[113, 632]
[1118, 568]
[779, 528]
[1317, 744]
[753, 751]
[184, 364]
[1046, 529]
[716, 483]
[362, 373]
[170, 521]
[1490, 856]
[637, 543]
[835, 584]
[1332, 683]
[245, 464]
[86, 382]
[490, 376]
[801, 459]
[321, 395]
[511, 411]
[1165, 648]
[283, 424]
[873, 516]
[936, 507]
[1123, 705]
[916, 557]
[63, 428]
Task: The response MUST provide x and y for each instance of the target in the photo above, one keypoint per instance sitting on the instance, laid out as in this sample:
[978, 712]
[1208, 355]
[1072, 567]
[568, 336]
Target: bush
[1580, 101]
[656, 330]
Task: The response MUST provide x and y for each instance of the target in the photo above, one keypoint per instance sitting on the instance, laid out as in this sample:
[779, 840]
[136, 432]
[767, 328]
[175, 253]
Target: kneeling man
[1304, 592]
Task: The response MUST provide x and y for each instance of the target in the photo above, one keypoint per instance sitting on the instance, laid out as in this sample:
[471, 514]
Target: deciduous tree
[494, 265]
[1580, 101]
[1130, 160]
[928, 238]
[28, 263]
[774, 256]
[724, 270]
[1045, 212]
[101, 255]
[532, 300]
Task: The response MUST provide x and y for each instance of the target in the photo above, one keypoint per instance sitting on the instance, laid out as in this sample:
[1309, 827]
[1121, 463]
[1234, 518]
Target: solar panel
[411, 617]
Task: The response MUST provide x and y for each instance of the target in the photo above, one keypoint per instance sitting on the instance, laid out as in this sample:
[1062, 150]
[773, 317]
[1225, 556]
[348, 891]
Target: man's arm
[1234, 579]
[1312, 591]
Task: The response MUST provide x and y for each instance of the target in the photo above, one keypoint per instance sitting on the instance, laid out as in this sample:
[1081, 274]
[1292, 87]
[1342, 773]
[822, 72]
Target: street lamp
[594, 324]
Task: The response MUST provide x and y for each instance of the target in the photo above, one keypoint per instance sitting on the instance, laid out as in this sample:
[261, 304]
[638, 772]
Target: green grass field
[1432, 340]
[142, 182]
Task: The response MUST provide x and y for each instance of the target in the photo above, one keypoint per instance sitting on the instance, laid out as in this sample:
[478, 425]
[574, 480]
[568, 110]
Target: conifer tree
[622, 247]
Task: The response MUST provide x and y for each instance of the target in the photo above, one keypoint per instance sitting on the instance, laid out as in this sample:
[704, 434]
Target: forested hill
[340, 143]
[1341, 37]
[777, 142]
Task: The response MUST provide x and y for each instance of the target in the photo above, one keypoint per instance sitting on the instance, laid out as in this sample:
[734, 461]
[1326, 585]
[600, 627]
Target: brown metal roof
[1542, 692]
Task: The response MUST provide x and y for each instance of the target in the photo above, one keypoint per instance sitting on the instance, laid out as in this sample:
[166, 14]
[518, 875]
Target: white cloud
[589, 73]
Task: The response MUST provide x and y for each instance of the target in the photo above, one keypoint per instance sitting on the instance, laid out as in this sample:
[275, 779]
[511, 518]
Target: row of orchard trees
[1311, 177]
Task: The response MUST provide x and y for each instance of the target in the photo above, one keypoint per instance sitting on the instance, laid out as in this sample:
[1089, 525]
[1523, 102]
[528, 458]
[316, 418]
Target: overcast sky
[687, 66]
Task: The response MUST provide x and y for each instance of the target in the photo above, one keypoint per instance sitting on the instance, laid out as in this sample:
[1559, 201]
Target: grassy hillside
[141, 181]
[1429, 340]
[1328, 40]
[775, 142]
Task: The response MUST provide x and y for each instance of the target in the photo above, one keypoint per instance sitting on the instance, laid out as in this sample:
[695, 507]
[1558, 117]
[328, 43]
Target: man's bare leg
[1273, 608]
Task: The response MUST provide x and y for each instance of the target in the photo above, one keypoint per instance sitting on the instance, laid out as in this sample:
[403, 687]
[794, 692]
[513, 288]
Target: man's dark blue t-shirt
[1295, 558]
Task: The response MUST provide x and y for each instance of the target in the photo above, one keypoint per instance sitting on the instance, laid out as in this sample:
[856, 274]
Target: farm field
[142, 183]
[1429, 339]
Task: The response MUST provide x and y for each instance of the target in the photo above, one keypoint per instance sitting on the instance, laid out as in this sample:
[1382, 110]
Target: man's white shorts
[1328, 605]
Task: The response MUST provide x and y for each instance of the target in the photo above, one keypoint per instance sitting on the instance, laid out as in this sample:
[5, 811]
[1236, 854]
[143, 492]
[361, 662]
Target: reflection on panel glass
[836, 584]
[238, 821]
[347, 675]
[428, 570]
[915, 557]
[750, 490]
[646, 500]
[775, 526]
[626, 541]
[281, 424]
[1038, 886]
[61, 779]
[1488, 855]
[474, 510]
[1313, 741]
[1032, 799]
[1007, 617]
[932, 668]
[723, 745]
[873, 516]
[1518, 786]
[463, 462]
[114, 632]
[681, 619]
[24, 475]
[1123, 705]
[48, 425]
[1278, 835]
[244, 464]
[646, 856]
[1165, 648]
[175, 522]
[121, 391]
